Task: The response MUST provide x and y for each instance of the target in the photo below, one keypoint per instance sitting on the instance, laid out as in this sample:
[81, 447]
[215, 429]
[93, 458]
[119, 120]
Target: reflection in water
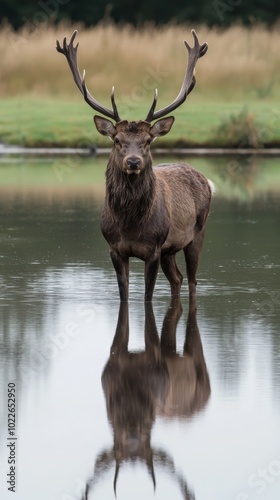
[241, 172]
[140, 386]
[57, 319]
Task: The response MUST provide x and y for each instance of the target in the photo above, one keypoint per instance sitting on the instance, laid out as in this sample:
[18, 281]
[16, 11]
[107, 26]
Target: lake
[139, 401]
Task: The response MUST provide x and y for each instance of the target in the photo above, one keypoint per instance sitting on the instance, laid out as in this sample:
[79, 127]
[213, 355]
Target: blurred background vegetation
[138, 47]
[213, 13]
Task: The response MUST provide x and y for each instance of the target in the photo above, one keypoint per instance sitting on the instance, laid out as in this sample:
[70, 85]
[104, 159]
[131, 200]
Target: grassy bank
[52, 122]
[235, 101]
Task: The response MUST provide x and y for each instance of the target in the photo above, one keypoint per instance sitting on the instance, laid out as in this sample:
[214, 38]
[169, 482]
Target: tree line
[212, 13]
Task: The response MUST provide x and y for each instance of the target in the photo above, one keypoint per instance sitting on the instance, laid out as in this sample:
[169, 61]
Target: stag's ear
[104, 126]
[162, 126]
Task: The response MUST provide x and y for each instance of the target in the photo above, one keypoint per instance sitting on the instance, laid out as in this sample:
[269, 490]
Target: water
[202, 423]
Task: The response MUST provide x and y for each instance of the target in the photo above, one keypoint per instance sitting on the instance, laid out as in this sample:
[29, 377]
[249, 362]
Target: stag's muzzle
[133, 164]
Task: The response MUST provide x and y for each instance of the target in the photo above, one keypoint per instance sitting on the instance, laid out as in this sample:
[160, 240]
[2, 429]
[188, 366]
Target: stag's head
[132, 139]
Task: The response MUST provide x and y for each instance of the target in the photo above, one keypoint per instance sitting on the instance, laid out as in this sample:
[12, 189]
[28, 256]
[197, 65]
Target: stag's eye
[149, 141]
[117, 141]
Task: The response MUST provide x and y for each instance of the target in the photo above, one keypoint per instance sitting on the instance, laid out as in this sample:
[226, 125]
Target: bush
[239, 130]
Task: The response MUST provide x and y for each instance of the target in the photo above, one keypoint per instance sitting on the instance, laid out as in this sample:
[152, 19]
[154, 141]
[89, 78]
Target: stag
[149, 212]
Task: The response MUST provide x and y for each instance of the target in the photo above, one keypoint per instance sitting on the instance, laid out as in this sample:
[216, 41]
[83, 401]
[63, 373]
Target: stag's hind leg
[172, 273]
[192, 255]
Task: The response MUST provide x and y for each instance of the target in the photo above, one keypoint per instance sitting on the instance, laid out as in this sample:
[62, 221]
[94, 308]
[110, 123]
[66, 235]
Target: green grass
[57, 122]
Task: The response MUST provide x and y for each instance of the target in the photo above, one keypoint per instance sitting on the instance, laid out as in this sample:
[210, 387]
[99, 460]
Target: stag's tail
[212, 187]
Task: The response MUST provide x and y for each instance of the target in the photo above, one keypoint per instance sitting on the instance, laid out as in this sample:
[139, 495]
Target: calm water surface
[152, 402]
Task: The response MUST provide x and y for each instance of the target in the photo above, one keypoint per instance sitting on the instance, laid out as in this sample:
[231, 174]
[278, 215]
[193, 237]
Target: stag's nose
[133, 162]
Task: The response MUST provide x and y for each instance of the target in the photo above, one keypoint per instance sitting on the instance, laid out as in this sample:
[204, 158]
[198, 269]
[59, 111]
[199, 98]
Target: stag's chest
[133, 240]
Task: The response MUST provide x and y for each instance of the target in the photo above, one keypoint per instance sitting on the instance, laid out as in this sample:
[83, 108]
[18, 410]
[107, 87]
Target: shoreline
[7, 150]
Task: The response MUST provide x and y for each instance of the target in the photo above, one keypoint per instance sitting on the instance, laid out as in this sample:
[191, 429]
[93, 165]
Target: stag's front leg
[121, 266]
[151, 270]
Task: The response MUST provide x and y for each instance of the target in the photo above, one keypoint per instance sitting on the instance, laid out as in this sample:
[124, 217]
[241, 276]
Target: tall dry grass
[134, 60]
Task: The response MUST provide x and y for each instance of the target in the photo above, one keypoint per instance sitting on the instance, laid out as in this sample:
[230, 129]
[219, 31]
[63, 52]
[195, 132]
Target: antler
[70, 53]
[188, 84]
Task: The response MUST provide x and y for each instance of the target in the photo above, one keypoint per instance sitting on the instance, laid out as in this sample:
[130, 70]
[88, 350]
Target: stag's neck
[130, 197]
